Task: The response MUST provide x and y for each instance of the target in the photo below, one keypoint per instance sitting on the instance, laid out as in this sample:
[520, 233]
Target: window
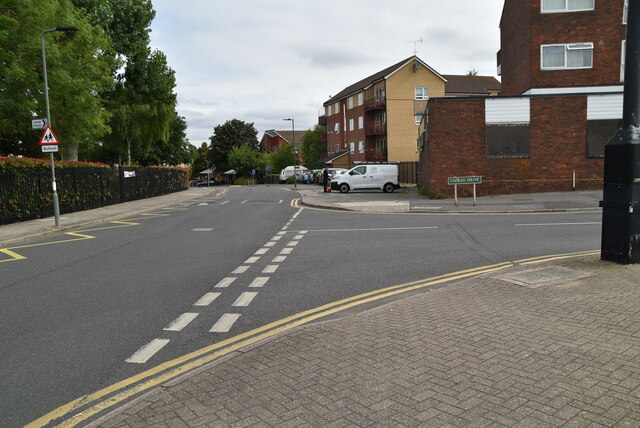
[350, 102]
[422, 94]
[569, 56]
[360, 98]
[508, 140]
[622, 59]
[351, 125]
[598, 133]
[360, 146]
[361, 122]
[275, 149]
[361, 170]
[336, 108]
[337, 148]
[328, 110]
[553, 6]
[352, 148]
[418, 119]
[381, 145]
[336, 127]
[625, 12]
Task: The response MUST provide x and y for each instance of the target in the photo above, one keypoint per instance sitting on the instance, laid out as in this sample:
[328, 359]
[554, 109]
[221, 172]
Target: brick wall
[515, 44]
[557, 147]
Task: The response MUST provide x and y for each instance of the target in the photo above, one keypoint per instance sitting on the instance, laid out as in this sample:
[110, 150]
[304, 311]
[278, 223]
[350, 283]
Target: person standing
[325, 178]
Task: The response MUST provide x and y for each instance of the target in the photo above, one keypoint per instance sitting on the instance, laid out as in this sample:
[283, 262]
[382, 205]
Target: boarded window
[508, 140]
[598, 133]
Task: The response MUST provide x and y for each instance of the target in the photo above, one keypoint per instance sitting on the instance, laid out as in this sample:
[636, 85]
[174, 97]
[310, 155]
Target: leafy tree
[282, 158]
[200, 160]
[244, 158]
[78, 67]
[175, 150]
[233, 133]
[312, 147]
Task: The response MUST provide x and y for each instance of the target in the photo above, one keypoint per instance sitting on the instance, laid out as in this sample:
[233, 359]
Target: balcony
[375, 128]
[375, 103]
[374, 155]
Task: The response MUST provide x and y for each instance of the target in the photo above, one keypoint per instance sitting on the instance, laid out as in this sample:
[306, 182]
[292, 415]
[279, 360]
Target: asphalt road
[83, 314]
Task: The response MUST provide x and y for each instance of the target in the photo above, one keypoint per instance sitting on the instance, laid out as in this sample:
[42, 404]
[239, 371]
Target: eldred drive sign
[464, 180]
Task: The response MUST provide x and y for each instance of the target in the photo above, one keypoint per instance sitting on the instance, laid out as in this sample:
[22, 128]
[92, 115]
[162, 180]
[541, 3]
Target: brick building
[272, 139]
[561, 63]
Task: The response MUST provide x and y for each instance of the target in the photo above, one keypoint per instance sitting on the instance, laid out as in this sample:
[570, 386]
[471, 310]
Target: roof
[334, 156]
[471, 85]
[380, 75]
[285, 135]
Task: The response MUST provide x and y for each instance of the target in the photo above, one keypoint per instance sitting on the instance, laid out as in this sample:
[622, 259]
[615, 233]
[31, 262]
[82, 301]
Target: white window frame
[336, 107]
[328, 110]
[360, 122]
[567, 47]
[350, 102]
[336, 127]
[422, 96]
[351, 125]
[622, 59]
[565, 8]
[337, 148]
[360, 98]
[360, 147]
[625, 12]
[352, 148]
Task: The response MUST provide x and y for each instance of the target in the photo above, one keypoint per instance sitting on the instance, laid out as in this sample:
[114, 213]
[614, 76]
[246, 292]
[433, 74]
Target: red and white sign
[48, 137]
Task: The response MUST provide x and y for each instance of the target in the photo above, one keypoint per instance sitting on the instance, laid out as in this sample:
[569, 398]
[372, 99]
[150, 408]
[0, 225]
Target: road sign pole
[474, 194]
[56, 203]
[455, 193]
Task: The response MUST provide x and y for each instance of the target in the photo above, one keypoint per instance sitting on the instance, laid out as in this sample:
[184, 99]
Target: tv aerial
[415, 45]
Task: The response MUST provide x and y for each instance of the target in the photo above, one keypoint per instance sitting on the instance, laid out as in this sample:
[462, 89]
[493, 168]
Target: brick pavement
[480, 352]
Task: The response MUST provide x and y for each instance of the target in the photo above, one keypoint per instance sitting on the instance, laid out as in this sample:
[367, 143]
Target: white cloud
[262, 61]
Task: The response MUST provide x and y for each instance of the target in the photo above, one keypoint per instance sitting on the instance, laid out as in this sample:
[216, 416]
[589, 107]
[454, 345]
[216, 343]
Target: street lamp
[56, 204]
[293, 137]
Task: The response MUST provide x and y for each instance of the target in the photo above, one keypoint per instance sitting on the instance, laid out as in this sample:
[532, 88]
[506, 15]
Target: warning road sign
[48, 137]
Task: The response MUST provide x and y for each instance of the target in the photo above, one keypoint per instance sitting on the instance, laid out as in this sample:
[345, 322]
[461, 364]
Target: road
[92, 308]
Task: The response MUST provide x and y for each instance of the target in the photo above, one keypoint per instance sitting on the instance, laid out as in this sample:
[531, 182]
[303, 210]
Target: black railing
[25, 193]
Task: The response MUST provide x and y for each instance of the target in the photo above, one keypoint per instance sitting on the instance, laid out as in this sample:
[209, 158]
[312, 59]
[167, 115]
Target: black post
[621, 204]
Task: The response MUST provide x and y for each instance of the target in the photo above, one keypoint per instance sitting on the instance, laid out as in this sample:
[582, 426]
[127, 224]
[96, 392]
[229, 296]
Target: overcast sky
[264, 60]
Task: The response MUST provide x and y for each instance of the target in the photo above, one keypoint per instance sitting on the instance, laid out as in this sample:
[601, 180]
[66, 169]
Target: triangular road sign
[48, 137]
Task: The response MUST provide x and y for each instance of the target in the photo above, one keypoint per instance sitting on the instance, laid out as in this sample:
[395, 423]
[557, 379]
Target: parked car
[205, 183]
[288, 172]
[373, 176]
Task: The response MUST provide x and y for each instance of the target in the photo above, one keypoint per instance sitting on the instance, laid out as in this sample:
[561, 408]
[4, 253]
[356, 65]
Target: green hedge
[25, 186]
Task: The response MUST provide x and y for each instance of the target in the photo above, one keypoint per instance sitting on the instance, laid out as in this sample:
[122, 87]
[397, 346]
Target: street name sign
[464, 180]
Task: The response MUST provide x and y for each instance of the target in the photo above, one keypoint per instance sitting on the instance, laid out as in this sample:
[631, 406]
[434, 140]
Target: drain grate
[540, 277]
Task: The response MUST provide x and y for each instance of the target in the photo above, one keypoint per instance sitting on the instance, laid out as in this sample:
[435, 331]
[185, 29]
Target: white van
[375, 176]
[289, 171]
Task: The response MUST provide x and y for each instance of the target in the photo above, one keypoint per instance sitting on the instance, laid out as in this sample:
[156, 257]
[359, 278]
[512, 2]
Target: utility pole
[621, 197]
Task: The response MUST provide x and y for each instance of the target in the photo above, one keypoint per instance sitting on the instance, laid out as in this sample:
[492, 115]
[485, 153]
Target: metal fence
[408, 172]
[25, 193]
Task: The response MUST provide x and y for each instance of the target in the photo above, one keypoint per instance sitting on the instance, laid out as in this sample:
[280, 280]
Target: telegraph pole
[621, 197]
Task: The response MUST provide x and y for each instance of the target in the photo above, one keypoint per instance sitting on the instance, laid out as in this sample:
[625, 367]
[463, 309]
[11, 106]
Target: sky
[261, 61]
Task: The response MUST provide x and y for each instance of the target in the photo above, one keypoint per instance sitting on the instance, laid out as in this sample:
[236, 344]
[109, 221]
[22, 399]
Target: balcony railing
[375, 103]
[375, 128]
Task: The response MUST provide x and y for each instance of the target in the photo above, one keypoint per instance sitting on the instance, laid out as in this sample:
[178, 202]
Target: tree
[233, 133]
[200, 160]
[244, 158]
[174, 151]
[282, 158]
[78, 66]
[312, 147]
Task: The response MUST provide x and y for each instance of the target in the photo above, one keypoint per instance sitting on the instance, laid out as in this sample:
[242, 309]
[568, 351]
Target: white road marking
[303, 232]
[225, 282]
[252, 260]
[203, 204]
[259, 282]
[182, 321]
[244, 299]
[244, 202]
[292, 243]
[270, 244]
[225, 202]
[276, 238]
[202, 229]
[286, 250]
[207, 299]
[270, 269]
[225, 323]
[559, 224]
[285, 227]
[261, 251]
[147, 351]
[241, 269]
[281, 233]
[280, 201]
[278, 259]
[298, 237]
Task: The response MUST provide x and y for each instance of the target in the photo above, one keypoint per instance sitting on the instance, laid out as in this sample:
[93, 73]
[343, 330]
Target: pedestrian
[325, 178]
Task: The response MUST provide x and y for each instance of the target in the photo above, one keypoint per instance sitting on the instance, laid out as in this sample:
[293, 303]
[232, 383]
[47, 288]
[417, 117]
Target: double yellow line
[90, 405]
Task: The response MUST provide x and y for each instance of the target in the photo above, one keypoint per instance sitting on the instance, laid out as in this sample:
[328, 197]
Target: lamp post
[56, 203]
[621, 193]
[293, 137]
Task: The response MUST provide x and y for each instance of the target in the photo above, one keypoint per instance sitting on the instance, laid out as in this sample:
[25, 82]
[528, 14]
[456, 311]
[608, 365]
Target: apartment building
[377, 118]
[562, 66]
